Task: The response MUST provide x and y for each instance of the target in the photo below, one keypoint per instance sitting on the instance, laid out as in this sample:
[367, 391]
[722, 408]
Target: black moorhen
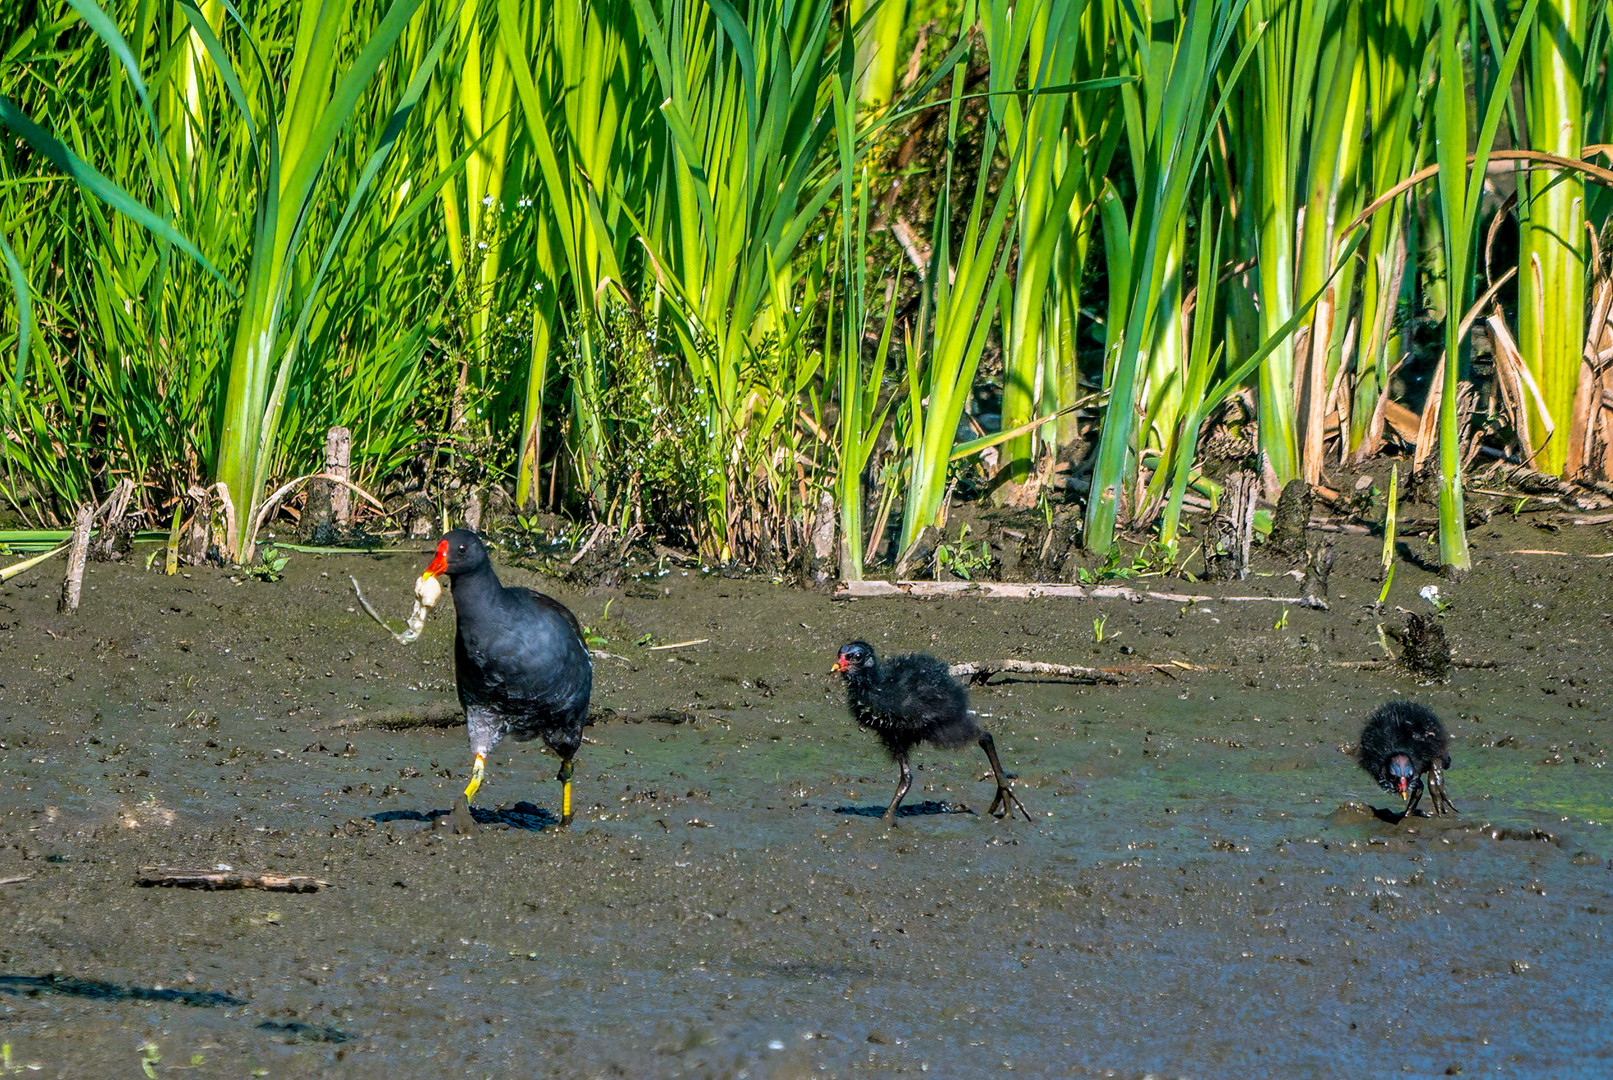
[912, 699]
[1401, 743]
[520, 662]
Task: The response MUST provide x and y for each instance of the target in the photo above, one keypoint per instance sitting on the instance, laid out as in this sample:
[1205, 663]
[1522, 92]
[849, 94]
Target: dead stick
[73, 584]
[15, 880]
[997, 590]
[980, 671]
[226, 879]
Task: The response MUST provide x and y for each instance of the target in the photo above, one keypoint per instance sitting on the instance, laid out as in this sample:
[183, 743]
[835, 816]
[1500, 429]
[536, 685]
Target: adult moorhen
[1400, 743]
[912, 699]
[520, 662]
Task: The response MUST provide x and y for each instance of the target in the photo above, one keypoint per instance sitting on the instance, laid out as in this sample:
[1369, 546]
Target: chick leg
[901, 791]
[1006, 801]
[564, 776]
[1436, 791]
[1416, 790]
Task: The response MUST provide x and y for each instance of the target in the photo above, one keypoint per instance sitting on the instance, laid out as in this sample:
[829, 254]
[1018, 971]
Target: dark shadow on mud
[523, 815]
[927, 808]
[97, 990]
[34, 985]
[302, 1032]
[1417, 557]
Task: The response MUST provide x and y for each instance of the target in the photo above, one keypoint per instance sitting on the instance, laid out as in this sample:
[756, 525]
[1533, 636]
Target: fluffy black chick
[520, 663]
[1401, 743]
[912, 699]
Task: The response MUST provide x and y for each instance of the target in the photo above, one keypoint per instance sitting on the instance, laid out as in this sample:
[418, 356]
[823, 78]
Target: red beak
[840, 665]
[439, 565]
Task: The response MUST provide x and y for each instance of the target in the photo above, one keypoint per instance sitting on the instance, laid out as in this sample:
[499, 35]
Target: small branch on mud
[593, 538]
[16, 880]
[440, 714]
[1003, 590]
[73, 583]
[979, 671]
[226, 879]
[1564, 554]
[1383, 665]
[679, 644]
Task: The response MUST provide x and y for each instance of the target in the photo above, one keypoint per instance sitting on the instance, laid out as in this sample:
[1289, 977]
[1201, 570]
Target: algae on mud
[1205, 891]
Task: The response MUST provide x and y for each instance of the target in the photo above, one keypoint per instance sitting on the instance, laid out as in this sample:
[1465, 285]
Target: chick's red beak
[439, 565]
[840, 666]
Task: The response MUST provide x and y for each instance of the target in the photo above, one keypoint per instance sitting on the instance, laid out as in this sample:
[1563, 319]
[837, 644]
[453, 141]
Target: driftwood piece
[73, 583]
[1009, 590]
[1292, 519]
[1231, 528]
[979, 671]
[226, 879]
[1313, 590]
[1425, 651]
[112, 542]
[1386, 664]
[338, 463]
[16, 879]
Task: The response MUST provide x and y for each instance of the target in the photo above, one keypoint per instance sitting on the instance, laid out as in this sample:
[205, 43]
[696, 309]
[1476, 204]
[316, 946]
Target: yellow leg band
[565, 799]
[476, 773]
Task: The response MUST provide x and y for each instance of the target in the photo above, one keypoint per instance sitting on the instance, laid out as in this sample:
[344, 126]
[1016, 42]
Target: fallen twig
[1378, 665]
[1004, 590]
[980, 671]
[15, 880]
[226, 879]
[679, 644]
[600, 529]
[1548, 551]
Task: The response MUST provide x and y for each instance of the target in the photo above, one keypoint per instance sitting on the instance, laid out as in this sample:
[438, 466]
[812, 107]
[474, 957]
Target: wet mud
[1211, 887]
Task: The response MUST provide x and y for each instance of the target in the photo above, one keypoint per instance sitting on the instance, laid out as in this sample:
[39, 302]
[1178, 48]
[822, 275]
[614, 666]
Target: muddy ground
[1206, 891]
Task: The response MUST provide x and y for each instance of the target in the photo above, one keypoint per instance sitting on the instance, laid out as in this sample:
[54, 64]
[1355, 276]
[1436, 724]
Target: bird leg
[476, 773]
[1436, 791]
[901, 791]
[1416, 796]
[1006, 801]
[564, 776]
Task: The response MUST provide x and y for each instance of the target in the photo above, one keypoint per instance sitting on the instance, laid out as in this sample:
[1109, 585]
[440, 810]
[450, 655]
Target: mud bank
[1206, 892]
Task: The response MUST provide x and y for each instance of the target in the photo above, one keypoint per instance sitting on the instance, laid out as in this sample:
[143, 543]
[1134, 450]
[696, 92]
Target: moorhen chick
[1400, 744]
[912, 699]
[520, 662]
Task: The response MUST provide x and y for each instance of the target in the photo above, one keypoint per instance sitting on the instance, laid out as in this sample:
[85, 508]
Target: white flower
[1430, 593]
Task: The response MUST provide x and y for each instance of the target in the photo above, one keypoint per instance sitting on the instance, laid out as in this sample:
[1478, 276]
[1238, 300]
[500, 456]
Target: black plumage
[912, 699]
[520, 662]
[1401, 743]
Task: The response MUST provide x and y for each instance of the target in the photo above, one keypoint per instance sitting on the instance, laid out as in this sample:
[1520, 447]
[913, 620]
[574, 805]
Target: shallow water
[1206, 891]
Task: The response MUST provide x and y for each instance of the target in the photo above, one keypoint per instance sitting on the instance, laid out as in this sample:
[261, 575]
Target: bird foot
[460, 819]
[1007, 802]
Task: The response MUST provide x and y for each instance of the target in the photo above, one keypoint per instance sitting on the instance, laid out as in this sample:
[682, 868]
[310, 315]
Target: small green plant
[1097, 628]
[1282, 620]
[149, 1057]
[961, 558]
[270, 564]
[595, 638]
